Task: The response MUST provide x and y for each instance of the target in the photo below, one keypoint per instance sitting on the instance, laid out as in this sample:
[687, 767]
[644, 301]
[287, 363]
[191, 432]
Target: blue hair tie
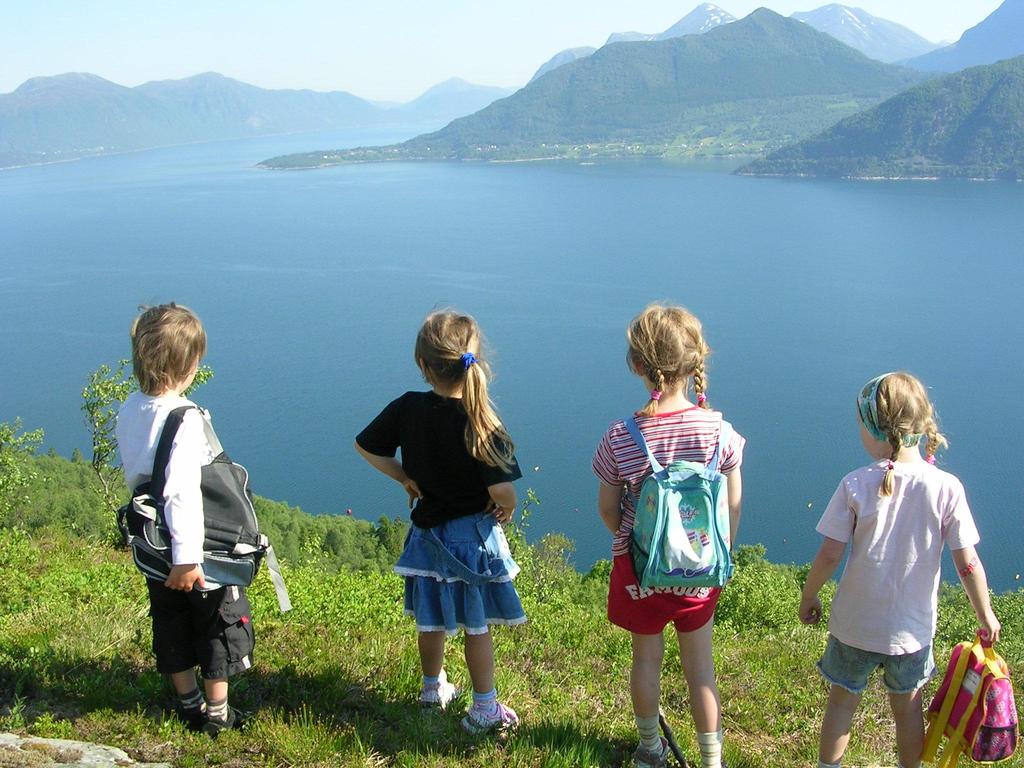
[468, 358]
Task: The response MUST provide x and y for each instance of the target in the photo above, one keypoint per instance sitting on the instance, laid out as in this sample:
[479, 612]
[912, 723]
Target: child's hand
[183, 577]
[810, 609]
[413, 490]
[502, 514]
[990, 626]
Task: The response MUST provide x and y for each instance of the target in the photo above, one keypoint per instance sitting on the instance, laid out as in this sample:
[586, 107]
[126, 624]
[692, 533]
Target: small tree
[101, 397]
[16, 447]
[106, 390]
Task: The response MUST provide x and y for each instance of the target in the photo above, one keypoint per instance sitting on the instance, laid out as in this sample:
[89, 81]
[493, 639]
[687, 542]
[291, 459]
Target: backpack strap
[163, 448]
[634, 432]
[158, 478]
[724, 436]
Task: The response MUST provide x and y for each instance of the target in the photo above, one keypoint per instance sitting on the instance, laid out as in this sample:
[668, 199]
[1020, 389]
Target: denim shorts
[850, 667]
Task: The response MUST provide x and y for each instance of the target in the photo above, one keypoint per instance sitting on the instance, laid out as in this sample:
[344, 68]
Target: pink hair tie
[701, 398]
[930, 460]
[655, 395]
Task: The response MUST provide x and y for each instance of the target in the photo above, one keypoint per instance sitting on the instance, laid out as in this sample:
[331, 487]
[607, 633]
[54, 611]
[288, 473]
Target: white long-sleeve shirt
[140, 421]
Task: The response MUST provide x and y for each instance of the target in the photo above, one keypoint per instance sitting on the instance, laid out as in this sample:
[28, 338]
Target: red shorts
[647, 611]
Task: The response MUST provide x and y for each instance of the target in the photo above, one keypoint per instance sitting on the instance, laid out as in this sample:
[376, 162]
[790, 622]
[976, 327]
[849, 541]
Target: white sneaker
[501, 718]
[440, 695]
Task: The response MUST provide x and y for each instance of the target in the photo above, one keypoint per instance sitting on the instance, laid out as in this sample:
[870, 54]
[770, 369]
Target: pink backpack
[973, 708]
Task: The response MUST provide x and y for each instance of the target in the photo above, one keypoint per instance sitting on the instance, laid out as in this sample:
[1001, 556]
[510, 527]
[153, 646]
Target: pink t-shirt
[688, 435]
[888, 595]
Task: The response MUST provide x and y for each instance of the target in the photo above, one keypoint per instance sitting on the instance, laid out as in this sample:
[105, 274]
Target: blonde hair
[441, 345]
[168, 341]
[666, 345]
[904, 412]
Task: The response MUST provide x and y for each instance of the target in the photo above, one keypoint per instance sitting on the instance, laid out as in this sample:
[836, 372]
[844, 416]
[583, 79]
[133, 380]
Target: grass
[336, 680]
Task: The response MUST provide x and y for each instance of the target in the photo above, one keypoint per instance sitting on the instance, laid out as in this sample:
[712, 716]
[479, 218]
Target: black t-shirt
[431, 432]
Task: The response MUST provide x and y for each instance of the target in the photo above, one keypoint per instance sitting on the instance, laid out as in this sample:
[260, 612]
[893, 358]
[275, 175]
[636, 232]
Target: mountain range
[742, 88]
[967, 124]
[47, 119]
[874, 37]
[999, 36]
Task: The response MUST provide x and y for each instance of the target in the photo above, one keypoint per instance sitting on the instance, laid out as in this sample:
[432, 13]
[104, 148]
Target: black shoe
[193, 718]
[213, 727]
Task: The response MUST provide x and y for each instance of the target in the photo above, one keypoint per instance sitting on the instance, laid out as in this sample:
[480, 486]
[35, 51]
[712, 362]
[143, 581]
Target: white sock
[218, 710]
[650, 736]
[710, 749]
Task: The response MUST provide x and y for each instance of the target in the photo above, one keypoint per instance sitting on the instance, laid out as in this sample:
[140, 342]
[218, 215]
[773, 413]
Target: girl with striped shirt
[667, 352]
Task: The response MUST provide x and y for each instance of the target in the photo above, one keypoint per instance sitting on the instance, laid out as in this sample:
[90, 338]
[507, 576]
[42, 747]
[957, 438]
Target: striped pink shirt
[688, 435]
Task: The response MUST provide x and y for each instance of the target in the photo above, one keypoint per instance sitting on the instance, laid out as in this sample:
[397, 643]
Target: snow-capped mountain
[701, 19]
[698, 21]
[874, 37]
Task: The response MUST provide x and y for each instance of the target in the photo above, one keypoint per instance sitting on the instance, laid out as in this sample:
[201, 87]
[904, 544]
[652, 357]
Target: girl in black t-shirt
[457, 466]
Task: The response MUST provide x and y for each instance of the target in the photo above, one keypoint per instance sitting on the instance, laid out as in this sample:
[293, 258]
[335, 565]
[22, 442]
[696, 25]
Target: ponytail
[486, 437]
[936, 440]
[700, 384]
[659, 385]
[888, 482]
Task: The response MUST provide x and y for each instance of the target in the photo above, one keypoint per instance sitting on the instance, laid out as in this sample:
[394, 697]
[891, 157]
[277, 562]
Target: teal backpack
[681, 525]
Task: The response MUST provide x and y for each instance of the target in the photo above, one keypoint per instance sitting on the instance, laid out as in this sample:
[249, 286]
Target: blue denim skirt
[459, 575]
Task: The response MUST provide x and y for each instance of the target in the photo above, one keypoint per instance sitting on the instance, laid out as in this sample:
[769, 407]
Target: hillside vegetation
[742, 88]
[968, 124]
[336, 680]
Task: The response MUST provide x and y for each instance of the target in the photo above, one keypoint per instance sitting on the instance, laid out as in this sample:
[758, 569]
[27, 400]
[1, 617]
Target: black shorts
[210, 629]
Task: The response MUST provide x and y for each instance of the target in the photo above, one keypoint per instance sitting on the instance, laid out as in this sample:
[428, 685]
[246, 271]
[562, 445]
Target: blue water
[312, 285]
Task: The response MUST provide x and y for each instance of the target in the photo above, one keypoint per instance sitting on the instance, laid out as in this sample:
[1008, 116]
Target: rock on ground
[30, 752]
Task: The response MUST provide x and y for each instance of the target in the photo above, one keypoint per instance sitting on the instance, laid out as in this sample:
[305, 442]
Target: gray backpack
[233, 547]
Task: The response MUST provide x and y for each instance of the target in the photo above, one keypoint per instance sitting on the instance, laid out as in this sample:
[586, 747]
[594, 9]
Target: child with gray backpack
[667, 352]
[194, 624]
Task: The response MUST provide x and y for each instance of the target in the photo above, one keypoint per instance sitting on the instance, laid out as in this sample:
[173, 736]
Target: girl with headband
[895, 514]
[457, 467]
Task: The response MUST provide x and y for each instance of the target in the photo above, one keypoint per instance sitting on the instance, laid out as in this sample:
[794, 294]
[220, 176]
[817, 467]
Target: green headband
[867, 407]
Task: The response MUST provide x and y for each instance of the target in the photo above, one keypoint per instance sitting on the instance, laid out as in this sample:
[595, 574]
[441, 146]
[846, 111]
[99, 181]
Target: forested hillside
[969, 124]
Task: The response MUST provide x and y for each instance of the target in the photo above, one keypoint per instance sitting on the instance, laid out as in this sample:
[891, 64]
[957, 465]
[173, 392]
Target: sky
[385, 50]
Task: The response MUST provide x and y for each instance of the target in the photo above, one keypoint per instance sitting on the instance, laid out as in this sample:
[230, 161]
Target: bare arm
[504, 497]
[609, 505]
[734, 485]
[391, 467]
[830, 554]
[972, 576]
